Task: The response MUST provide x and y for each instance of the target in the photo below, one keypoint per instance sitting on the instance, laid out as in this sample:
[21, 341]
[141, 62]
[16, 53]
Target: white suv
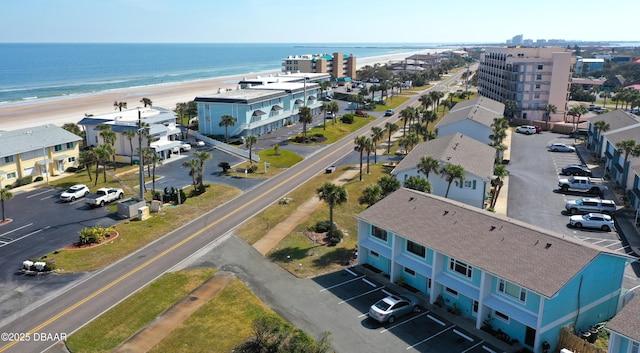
[526, 129]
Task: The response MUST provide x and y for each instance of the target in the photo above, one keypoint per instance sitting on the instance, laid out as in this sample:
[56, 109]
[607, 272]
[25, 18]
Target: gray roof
[480, 109]
[626, 321]
[244, 96]
[24, 140]
[631, 132]
[532, 257]
[474, 156]
[616, 119]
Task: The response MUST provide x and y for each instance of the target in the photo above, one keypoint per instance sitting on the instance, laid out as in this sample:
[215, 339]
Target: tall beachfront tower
[338, 65]
[531, 77]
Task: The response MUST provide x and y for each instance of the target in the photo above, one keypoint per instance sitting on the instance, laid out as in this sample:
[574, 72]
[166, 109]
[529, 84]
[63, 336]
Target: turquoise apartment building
[624, 329]
[526, 281]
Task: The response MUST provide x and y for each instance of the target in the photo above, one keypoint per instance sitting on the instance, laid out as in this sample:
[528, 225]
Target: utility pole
[140, 167]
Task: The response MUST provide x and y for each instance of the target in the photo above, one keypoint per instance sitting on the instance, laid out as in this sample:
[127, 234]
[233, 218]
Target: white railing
[225, 147]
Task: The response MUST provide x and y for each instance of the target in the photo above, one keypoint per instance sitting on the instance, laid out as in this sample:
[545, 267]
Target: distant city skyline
[288, 21]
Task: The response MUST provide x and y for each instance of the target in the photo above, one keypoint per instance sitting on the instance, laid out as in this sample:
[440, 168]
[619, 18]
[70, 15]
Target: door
[530, 337]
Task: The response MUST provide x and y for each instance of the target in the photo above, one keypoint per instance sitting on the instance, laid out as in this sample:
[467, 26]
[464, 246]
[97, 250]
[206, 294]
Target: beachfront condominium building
[502, 274]
[531, 77]
[160, 124]
[338, 65]
[36, 151]
[257, 110]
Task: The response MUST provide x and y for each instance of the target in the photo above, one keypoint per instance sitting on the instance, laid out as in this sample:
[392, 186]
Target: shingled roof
[474, 156]
[532, 257]
[480, 109]
[617, 119]
[28, 139]
[626, 321]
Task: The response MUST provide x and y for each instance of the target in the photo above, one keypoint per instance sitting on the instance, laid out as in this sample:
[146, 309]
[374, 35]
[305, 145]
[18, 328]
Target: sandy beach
[63, 110]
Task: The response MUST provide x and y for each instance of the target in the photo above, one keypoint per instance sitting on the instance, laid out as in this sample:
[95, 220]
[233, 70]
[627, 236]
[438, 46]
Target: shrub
[72, 169]
[336, 237]
[347, 119]
[94, 235]
[38, 178]
[252, 168]
[318, 135]
[225, 166]
[322, 226]
[23, 181]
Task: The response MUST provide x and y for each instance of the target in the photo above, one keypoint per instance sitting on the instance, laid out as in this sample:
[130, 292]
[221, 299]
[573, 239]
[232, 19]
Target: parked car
[75, 192]
[389, 112]
[330, 169]
[593, 186]
[183, 147]
[576, 169]
[392, 307]
[526, 129]
[579, 133]
[104, 196]
[592, 220]
[590, 205]
[561, 147]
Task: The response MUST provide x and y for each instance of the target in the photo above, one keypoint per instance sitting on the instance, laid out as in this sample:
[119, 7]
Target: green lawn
[334, 131]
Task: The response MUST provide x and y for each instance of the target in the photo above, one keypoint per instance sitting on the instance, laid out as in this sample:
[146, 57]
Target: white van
[526, 129]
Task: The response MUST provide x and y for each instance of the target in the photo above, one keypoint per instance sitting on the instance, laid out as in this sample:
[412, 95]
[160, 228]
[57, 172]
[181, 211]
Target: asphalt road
[97, 292]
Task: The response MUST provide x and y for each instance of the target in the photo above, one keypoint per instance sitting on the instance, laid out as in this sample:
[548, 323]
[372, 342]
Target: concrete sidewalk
[625, 218]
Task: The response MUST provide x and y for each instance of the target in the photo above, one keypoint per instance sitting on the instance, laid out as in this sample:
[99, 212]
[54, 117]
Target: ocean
[45, 71]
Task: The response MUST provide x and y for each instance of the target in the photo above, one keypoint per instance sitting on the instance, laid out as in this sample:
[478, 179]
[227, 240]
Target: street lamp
[140, 167]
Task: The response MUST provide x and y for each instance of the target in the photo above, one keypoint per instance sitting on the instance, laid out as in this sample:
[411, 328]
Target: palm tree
[201, 157]
[376, 135]
[323, 110]
[388, 184]
[130, 135]
[333, 195]
[251, 141]
[361, 145]
[599, 127]
[417, 183]
[5, 194]
[407, 115]
[510, 108]
[410, 141]
[193, 165]
[147, 157]
[156, 161]
[103, 155]
[109, 137]
[577, 111]
[391, 128]
[427, 165]
[86, 159]
[452, 172]
[426, 101]
[627, 147]
[435, 97]
[305, 117]
[324, 86]
[226, 121]
[146, 101]
[372, 90]
[368, 148]
[120, 105]
[500, 172]
[76, 130]
[370, 195]
[548, 110]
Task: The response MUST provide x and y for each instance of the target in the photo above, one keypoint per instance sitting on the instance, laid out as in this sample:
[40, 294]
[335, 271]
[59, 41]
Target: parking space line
[612, 244]
[369, 283]
[48, 197]
[15, 230]
[488, 349]
[472, 347]
[436, 320]
[600, 241]
[40, 193]
[360, 295]
[27, 235]
[620, 249]
[351, 272]
[404, 322]
[433, 336]
[342, 283]
[463, 335]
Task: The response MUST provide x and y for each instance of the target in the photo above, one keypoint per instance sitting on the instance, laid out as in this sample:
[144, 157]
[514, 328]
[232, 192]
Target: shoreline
[71, 109]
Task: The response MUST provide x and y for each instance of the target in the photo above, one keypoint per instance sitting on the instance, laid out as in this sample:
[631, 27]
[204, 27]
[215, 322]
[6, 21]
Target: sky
[315, 21]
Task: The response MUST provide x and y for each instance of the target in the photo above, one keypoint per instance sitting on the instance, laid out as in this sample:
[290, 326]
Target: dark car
[576, 169]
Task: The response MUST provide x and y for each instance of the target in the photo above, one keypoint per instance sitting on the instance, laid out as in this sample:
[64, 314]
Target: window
[11, 175]
[512, 290]
[539, 67]
[453, 292]
[409, 271]
[635, 347]
[379, 233]
[374, 254]
[536, 95]
[460, 267]
[8, 159]
[537, 86]
[501, 316]
[57, 148]
[71, 159]
[69, 145]
[475, 306]
[468, 183]
[416, 248]
[538, 77]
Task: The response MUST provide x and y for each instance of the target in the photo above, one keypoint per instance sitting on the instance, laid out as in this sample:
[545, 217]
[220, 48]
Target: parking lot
[533, 188]
[350, 294]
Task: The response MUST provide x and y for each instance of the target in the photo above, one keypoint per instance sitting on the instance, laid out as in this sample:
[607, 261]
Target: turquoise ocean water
[37, 71]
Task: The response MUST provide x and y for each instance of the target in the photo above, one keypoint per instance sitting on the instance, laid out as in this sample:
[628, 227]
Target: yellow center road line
[162, 254]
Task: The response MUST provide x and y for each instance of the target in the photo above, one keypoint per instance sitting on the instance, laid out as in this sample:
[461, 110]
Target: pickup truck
[585, 184]
[590, 205]
[104, 196]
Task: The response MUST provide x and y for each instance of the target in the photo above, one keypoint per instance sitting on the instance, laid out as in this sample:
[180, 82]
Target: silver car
[392, 307]
[593, 220]
[561, 147]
